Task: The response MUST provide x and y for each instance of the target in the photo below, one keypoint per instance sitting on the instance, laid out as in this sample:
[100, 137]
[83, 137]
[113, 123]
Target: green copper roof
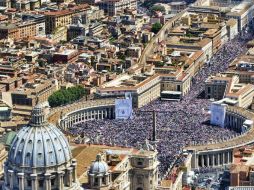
[9, 137]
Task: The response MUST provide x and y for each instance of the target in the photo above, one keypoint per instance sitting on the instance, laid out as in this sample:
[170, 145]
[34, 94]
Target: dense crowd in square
[178, 123]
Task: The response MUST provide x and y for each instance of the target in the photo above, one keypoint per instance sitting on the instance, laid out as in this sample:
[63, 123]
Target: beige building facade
[125, 169]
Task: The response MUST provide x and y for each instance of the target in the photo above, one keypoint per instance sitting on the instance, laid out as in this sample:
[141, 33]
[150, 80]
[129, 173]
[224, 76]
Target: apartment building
[243, 66]
[112, 7]
[134, 52]
[215, 86]
[243, 13]
[11, 67]
[27, 5]
[39, 90]
[96, 29]
[232, 28]
[59, 34]
[22, 29]
[65, 55]
[9, 31]
[10, 83]
[144, 89]
[192, 44]
[5, 3]
[242, 94]
[75, 30]
[242, 169]
[229, 90]
[179, 83]
[5, 111]
[55, 19]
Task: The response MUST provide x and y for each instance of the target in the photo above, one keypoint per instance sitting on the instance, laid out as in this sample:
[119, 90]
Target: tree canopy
[158, 8]
[65, 96]
[156, 27]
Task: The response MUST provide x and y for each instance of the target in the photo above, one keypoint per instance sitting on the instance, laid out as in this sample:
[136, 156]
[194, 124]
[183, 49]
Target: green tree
[158, 8]
[65, 96]
[156, 27]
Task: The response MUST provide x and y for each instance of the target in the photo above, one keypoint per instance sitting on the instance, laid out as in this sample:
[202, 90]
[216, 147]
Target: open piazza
[178, 123]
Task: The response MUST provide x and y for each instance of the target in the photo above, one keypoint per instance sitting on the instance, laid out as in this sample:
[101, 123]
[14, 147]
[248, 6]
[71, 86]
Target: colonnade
[86, 114]
[47, 181]
[210, 155]
[99, 180]
[234, 121]
[214, 159]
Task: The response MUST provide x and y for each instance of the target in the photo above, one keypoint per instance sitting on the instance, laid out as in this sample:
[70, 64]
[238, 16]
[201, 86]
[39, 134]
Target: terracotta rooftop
[67, 11]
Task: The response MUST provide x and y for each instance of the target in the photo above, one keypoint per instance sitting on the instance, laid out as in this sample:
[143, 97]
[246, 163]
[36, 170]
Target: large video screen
[218, 114]
[123, 108]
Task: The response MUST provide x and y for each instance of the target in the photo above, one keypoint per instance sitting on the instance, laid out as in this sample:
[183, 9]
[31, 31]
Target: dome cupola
[98, 174]
[98, 166]
[41, 154]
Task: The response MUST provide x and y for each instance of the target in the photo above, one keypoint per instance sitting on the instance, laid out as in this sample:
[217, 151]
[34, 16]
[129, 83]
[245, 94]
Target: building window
[178, 87]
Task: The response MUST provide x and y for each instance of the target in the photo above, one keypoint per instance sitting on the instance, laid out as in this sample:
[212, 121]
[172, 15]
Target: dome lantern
[38, 115]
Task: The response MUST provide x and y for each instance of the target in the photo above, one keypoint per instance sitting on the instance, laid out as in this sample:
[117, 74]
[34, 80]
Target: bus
[171, 95]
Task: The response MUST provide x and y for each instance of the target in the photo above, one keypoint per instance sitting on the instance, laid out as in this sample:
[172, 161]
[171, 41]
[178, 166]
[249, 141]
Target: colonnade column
[11, 178]
[61, 183]
[69, 177]
[232, 121]
[107, 178]
[47, 181]
[6, 178]
[74, 166]
[226, 120]
[99, 181]
[65, 125]
[34, 181]
[100, 114]
[21, 181]
[91, 180]
[109, 112]
[216, 159]
[106, 113]
[239, 121]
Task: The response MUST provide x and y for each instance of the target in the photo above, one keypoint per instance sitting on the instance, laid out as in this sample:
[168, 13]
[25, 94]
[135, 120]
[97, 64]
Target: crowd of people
[178, 123]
